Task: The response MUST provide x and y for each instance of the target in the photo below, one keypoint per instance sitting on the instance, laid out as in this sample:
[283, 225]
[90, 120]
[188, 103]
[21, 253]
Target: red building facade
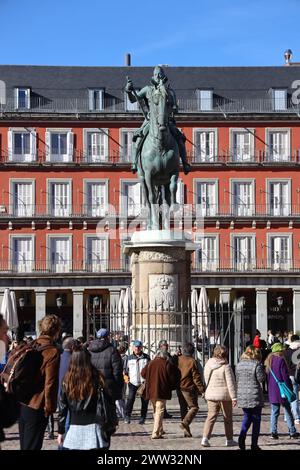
[68, 199]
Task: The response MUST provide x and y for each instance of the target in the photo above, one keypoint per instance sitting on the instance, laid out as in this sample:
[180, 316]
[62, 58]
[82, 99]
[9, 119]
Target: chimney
[127, 60]
[288, 55]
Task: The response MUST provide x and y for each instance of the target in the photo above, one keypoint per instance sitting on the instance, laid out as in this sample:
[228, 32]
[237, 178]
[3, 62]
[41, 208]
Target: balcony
[38, 267]
[228, 157]
[246, 266]
[114, 105]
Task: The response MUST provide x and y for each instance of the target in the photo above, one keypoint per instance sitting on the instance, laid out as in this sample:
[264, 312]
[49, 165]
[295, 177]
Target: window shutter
[10, 145]
[203, 146]
[33, 149]
[212, 146]
[70, 146]
[48, 146]
[91, 100]
[16, 97]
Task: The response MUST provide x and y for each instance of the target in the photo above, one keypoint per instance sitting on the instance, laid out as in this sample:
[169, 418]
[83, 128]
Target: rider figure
[144, 96]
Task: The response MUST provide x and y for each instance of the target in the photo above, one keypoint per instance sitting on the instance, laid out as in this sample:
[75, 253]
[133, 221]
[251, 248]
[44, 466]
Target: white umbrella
[7, 310]
[127, 305]
[15, 322]
[203, 309]
[121, 301]
[194, 300]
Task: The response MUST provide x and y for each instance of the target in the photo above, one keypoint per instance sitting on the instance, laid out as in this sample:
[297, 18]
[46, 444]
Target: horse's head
[160, 108]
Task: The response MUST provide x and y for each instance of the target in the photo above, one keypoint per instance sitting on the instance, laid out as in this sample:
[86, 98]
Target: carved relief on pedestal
[163, 292]
[173, 256]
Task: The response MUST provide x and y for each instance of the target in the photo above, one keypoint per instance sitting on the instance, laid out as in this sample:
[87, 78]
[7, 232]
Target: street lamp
[22, 302]
[59, 302]
[279, 301]
[96, 303]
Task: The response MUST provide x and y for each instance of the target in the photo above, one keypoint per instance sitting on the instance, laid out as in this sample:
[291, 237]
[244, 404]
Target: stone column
[77, 313]
[40, 307]
[296, 310]
[262, 312]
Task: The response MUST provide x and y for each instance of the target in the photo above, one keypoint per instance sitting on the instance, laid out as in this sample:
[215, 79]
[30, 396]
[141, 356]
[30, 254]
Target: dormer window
[96, 99]
[22, 98]
[279, 99]
[204, 100]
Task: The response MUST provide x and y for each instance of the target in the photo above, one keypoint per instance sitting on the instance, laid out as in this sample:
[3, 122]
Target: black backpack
[21, 376]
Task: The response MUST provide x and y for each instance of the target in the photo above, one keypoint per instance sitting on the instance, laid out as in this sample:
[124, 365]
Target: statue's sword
[140, 102]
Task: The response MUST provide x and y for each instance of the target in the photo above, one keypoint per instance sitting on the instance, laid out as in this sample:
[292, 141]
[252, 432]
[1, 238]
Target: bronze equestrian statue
[159, 145]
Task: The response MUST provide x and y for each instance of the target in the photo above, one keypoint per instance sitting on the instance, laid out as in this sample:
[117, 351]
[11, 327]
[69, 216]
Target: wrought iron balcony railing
[114, 105]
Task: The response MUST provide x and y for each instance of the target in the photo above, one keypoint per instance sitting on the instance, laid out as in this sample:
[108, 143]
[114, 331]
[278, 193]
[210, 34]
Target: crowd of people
[93, 384]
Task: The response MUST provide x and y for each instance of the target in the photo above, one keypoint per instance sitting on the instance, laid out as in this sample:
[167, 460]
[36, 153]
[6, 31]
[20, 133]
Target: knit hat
[277, 347]
[102, 333]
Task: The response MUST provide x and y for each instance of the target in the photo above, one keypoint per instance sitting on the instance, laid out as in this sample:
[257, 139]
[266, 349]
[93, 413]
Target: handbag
[285, 391]
[140, 391]
[9, 408]
[106, 413]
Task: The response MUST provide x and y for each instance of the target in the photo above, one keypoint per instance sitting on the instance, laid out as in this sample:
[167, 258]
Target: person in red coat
[161, 377]
[256, 341]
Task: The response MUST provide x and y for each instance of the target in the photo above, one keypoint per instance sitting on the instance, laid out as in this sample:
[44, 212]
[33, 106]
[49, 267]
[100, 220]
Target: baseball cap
[102, 333]
[137, 343]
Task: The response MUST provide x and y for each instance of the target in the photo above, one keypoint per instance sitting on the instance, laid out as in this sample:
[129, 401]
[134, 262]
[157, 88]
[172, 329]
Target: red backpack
[22, 373]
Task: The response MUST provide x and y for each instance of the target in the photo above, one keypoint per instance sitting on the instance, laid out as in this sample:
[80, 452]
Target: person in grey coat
[250, 375]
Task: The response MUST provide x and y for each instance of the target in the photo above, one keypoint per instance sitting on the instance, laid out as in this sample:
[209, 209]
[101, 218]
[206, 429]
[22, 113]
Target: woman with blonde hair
[220, 394]
[250, 376]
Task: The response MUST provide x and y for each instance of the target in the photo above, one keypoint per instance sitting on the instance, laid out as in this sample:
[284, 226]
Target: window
[206, 199]
[131, 106]
[59, 146]
[206, 253]
[279, 198]
[126, 143]
[22, 199]
[242, 198]
[206, 145]
[22, 254]
[96, 254]
[96, 145]
[204, 100]
[279, 100]
[96, 198]
[280, 252]
[243, 252]
[60, 199]
[278, 146]
[242, 146]
[22, 98]
[96, 99]
[60, 254]
[21, 145]
[131, 202]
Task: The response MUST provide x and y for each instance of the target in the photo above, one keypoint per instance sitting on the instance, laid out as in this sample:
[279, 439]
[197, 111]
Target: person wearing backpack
[35, 412]
[277, 370]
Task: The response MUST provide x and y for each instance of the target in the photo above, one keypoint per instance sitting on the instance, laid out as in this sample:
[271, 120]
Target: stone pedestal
[161, 286]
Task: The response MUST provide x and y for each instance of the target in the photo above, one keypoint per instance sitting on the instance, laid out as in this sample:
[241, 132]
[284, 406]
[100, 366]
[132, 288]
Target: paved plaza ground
[134, 436]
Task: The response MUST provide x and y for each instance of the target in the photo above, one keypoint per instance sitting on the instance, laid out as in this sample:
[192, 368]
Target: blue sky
[189, 32]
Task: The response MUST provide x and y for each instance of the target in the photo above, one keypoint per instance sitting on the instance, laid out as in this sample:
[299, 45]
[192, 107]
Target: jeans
[132, 389]
[294, 404]
[275, 410]
[251, 416]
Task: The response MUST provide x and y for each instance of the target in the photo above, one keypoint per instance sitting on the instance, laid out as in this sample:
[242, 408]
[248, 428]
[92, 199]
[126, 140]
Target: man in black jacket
[108, 361]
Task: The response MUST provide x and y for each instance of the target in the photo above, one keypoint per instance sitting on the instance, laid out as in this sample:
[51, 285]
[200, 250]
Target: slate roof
[73, 82]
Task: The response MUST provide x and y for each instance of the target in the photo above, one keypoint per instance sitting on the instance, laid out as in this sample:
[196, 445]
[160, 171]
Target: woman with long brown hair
[79, 396]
